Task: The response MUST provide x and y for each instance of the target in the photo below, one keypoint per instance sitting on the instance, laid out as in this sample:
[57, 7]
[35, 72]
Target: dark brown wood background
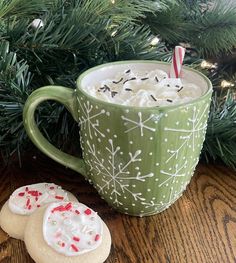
[199, 227]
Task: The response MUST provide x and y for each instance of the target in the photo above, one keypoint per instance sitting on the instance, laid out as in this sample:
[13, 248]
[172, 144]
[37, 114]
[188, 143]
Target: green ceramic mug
[140, 159]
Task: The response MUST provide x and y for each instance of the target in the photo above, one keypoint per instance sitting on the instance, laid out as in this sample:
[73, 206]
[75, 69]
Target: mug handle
[65, 96]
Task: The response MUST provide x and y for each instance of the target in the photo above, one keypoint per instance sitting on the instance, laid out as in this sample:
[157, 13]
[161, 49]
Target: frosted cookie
[67, 232]
[26, 200]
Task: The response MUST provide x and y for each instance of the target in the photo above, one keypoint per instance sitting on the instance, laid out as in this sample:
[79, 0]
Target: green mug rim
[166, 107]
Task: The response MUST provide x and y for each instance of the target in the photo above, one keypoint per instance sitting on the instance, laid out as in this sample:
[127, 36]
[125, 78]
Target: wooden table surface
[199, 227]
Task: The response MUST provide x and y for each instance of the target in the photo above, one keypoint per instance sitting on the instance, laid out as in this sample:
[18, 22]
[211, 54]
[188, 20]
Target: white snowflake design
[116, 175]
[141, 124]
[197, 126]
[88, 119]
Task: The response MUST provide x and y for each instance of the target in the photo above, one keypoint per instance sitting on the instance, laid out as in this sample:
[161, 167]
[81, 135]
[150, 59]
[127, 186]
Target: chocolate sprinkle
[128, 89]
[129, 80]
[177, 86]
[180, 89]
[157, 80]
[153, 98]
[169, 100]
[144, 78]
[117, 82]
[127, 71]
[113, 93]
[104, 88]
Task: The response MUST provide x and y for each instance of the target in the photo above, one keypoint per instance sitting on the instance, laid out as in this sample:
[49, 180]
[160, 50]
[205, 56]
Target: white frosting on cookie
[26, 199]
[71, 228]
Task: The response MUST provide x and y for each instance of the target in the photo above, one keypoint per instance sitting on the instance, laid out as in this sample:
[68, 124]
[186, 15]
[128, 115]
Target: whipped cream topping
[26, 199]
[144, 89]
[72, 228]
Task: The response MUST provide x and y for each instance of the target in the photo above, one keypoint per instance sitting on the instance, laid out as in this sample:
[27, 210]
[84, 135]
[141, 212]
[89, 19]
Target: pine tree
[77, 34]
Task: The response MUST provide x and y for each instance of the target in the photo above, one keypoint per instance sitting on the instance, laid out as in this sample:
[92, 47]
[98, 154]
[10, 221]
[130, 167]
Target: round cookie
[14, 223]
[67, 233]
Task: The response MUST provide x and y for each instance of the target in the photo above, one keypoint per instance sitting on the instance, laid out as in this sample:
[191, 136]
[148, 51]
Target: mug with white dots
[140, 159]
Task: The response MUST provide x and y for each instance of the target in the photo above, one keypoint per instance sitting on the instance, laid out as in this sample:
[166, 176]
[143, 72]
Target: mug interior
[97, 74]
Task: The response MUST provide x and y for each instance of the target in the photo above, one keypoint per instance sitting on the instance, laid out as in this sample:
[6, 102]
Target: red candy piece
[28, 202]
[68, 206]
[74, 248]
[51, 187]
[62, 208]
[58, 208]
[59, 197]
[88, 212]
[29, 207]
[97, 237]
[34, 193]
[77, 212]
[63, 244]
[26, 189]
[77, 239]
[38, 205]
[21, 194]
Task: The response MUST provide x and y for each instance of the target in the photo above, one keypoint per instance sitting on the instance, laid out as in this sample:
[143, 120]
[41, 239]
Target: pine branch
[220, 140]
[215, 29]
[209, 26]
[14, 89]
[9, 8]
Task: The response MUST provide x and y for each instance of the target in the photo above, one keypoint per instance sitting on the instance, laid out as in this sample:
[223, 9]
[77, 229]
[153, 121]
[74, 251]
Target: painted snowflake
[89, 119]
[140, 123]
[116, 176]
[189, 136]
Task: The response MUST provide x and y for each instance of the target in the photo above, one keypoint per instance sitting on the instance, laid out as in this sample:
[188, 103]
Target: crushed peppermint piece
[59, 197]
[88, 211]
[21, 194]
[74, 247]
[97, 237]
[77, 239]
[28, 202]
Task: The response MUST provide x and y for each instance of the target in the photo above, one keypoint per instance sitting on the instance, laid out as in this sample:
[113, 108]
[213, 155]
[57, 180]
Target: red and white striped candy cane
[177, 62]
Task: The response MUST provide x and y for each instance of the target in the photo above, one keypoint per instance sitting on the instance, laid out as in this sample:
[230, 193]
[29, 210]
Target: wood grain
[199, 227]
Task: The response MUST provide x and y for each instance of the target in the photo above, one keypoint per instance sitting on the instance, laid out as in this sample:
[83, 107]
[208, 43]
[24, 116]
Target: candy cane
[177, 62]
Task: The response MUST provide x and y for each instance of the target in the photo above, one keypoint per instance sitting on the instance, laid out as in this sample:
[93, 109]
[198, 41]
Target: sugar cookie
[67, 232]
[24, 201]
